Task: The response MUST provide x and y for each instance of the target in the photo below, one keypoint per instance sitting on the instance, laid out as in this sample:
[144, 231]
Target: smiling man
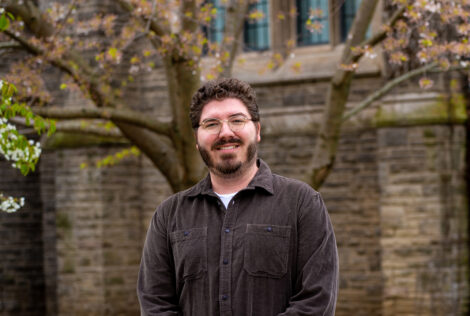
[243, 241]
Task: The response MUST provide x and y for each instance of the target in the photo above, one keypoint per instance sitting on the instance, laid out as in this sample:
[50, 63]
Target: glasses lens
[212, 126]
[237, 123]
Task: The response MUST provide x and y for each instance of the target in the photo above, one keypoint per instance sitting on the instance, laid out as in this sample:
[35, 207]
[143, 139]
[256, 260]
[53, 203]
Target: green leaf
[51, 127]
[24, 169]
[112, 52]
[4, 22]
[135, 151]
[8, 90]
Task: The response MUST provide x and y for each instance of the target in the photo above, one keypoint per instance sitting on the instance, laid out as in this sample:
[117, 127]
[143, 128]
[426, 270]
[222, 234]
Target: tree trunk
[327, 140]
[234, 21]
[160, 151]
[183, 81]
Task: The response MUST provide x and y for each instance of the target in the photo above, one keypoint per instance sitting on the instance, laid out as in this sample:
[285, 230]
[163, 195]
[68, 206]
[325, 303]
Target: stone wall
[49, 230]
[423, 220]
[99, 233]
[22, 281]
[96, 230]
[351, 194]
[396, 198]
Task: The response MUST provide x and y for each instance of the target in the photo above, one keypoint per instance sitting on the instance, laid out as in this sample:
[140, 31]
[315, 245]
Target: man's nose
[225, 130]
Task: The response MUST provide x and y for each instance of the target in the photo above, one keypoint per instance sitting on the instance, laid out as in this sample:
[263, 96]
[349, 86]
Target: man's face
[228, 152]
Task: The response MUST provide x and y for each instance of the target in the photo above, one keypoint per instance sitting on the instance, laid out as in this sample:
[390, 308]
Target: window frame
[301, 20]
[266, 24]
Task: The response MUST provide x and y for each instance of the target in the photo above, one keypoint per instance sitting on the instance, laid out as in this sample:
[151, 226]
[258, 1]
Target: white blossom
[10, 204]
[370, 54]
[433, 7]
[14, 148]
[134, 69]
[9, 149]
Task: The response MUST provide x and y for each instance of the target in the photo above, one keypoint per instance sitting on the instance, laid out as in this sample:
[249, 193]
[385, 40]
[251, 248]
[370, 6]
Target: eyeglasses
[235, 123]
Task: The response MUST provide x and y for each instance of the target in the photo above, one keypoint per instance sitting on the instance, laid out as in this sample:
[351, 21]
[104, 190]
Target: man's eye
[211, 124]
[237, 121]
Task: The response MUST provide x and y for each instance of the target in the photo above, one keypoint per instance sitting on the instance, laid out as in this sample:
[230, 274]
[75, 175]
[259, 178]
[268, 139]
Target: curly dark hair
[221, 89]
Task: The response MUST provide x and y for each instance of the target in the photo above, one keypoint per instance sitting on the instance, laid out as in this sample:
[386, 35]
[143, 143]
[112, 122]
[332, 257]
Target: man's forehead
[224, 108]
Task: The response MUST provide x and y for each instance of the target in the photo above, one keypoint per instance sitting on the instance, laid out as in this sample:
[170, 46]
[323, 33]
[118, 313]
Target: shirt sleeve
[156, 282]
[316, 283]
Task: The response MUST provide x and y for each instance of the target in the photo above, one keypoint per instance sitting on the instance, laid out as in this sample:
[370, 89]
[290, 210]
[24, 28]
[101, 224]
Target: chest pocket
[266, 250]
[189, 252]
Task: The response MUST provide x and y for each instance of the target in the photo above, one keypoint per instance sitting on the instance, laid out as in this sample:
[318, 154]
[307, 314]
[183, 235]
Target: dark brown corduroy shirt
[272, 252]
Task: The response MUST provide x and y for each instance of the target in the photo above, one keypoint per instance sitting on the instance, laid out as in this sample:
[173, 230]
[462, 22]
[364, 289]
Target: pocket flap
[275, 230]
[185, 234]
[267, 250]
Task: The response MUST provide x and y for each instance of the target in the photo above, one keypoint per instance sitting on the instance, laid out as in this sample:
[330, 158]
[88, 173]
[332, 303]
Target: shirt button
[225, 261]
[269, 229]
[224, 297]
[227, 230]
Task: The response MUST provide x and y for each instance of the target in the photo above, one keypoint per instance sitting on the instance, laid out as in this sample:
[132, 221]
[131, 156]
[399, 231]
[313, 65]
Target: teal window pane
[256, 33]
[215, 31]
[304, 35]
[348, 12]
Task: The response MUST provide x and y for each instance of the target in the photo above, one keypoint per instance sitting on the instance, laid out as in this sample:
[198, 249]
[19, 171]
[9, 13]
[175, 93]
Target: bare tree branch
[60, 26]
[161, 152]
[63, 64]
[154, 6]
[189, 24]
[76, 126]
[328, 136]
[24, 43]
[170, 145]
[358, 31]
[385, 89]
[31, 15]
[153, 25]
[125, 116]
[327, 140]
[379, 37]
[236, 13]
[10, 45]
[90, 129]
[70, 62]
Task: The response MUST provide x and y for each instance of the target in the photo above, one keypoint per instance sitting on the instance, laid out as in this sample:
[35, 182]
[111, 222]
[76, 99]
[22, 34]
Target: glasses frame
[228, 121]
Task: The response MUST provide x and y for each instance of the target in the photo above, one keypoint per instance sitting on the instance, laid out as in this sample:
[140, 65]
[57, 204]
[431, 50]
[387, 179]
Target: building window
[348, 12]
[256, 32]
[215, 31]
[305, 35]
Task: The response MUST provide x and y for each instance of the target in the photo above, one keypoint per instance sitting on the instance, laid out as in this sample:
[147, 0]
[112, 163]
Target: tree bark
[183, 81]
[159, 150]
[235, 19]
[125, 116]
[327, 139]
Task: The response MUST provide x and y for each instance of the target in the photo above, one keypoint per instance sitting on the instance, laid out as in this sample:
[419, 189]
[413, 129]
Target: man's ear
[258, 131]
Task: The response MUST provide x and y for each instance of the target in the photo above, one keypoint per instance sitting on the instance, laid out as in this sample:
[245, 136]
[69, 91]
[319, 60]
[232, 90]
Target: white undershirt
[226, 198]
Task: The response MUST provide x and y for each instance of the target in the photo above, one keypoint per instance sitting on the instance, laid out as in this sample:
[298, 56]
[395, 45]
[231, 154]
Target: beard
[228, 166]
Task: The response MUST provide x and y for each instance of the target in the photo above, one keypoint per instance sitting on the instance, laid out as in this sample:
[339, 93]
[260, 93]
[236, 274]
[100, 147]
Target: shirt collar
[263, 179]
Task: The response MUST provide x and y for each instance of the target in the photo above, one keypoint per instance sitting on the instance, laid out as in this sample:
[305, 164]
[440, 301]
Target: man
[243, 241]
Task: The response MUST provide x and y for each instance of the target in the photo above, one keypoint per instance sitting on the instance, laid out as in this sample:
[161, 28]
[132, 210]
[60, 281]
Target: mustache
[223, 141]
